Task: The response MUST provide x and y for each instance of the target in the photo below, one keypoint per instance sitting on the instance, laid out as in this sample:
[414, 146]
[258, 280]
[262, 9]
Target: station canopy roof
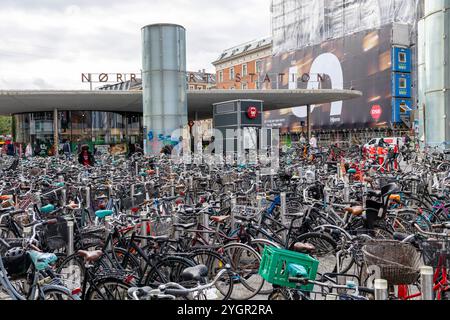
[199, 102]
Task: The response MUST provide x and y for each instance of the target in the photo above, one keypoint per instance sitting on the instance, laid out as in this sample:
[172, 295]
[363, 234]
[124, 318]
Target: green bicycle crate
[275, 263]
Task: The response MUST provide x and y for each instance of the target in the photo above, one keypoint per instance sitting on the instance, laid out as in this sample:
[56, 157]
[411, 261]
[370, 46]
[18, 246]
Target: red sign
[252, 113]
[376, 112]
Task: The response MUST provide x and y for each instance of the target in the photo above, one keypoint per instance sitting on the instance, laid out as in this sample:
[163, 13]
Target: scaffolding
[300, 23]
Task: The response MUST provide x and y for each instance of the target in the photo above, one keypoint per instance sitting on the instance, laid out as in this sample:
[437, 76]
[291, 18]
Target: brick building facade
[240, 67]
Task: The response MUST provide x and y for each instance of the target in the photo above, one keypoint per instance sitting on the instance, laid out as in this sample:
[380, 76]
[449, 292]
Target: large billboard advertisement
[361, 61]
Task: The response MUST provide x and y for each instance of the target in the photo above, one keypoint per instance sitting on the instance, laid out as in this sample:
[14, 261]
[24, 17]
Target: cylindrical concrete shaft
[434, 72]
[164, 84]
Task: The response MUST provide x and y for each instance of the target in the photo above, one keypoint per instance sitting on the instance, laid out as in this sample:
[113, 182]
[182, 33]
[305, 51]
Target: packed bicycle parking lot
[340, 224]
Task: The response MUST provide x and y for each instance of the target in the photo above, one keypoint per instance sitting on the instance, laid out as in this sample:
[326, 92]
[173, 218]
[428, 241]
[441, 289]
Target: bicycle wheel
[72, 271]
[215, 263]
[111, 289]
[169, 269]
[58, 293]
[325, 252]
[259, 245]
[244, 262]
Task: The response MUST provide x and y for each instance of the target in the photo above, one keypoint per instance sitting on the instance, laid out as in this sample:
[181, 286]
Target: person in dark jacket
[86, 158]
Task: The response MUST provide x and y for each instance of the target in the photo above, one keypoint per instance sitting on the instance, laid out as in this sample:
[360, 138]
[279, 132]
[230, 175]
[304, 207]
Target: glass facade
[87, 127]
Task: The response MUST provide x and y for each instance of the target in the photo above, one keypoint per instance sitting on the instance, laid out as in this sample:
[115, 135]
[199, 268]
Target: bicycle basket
[435, 253]
[17, 266]
[399, 263]
[275, 263]
[56, 236]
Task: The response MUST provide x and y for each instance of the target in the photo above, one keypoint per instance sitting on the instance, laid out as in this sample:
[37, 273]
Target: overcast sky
[47, 44]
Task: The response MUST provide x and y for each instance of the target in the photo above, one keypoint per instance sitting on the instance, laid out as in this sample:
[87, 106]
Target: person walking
[86, 158]
[10, 149]
[67, 149]
[29, 151]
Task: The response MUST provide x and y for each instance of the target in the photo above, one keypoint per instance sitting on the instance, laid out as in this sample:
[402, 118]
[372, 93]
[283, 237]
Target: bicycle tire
[214, 262]
[109, 285]
[176, 265]
[58, 293]
[326, 248]
[246, 272]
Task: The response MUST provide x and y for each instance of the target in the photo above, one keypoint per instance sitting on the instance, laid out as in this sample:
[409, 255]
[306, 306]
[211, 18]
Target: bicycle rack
[283, 197]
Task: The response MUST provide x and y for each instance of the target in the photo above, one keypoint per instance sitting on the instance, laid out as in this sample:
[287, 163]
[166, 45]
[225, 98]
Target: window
[402, 57]
[232, 73]
[220, 76]
[244, 70]
[244, 86]
[402, 83]
[191, 87]
[199, 88]
[258, 67]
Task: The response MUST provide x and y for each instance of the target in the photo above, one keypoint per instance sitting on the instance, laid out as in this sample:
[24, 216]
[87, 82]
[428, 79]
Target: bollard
[172, 188]
[259, 201]
[430, 184]
[109, 228]
[205, 222]
[233, 211]
[283, 213]
[258, 180]
[346, 191]
[426, 279]
[133, 189]
[326, 195]
[88, 198]
[143, 229]
[64, 197]
[381, 290]
[70, 230]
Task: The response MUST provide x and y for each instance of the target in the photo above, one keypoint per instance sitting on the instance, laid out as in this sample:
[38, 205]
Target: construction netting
[300, 23]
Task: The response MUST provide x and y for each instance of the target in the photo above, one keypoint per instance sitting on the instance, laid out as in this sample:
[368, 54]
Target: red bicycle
[435, 248]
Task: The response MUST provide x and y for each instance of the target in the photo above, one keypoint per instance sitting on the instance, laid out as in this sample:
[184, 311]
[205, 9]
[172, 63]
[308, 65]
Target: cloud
[57, 40]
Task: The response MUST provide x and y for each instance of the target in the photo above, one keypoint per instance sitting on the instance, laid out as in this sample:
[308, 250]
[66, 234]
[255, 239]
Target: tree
[5, 126]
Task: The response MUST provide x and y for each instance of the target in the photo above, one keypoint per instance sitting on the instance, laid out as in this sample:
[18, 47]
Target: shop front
[102, 130]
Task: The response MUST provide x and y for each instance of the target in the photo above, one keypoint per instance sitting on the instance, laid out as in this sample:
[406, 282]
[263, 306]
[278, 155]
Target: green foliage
[5, 126]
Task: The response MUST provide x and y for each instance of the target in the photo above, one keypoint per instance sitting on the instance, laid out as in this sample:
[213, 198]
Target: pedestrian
[79, 146]
[382, 143]
[86, 158]
[10, 149]
[67, 149]
[313, 142]
[29, 151]
[179, 147]
[37, 149]
[138, 149]
[302, 140]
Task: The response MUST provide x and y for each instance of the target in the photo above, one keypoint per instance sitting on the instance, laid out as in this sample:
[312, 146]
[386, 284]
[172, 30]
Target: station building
[366, 45]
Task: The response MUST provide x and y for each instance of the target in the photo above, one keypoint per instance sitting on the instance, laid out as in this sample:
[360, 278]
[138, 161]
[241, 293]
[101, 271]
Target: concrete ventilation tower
[164, 84]
[434, 73]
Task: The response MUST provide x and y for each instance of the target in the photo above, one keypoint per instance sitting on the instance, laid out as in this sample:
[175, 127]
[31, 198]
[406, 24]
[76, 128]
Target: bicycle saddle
[389, 189]
[184, 226]
[159, 239]
[220, 219]
[355, 211]
[141, 292]
[305, 248]
[195, 273]
[90, 256]
[101, 214]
